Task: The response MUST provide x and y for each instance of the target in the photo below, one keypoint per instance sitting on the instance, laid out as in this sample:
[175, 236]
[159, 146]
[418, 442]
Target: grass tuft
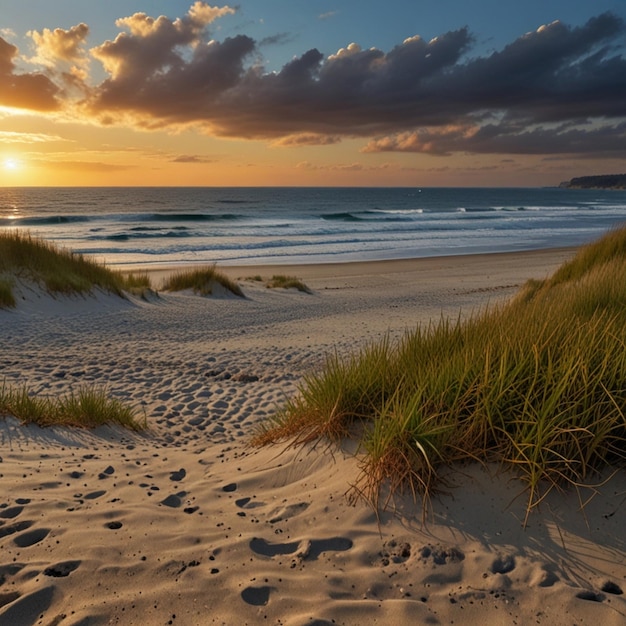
[61, 271]
[537, 385]
[7, 299]
[88, 407]
[279, 281]
[201, 281]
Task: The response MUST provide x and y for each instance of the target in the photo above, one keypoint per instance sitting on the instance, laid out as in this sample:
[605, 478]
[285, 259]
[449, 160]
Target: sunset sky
[308, 92]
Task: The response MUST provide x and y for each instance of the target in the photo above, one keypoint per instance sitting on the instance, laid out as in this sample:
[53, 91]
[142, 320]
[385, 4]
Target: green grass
[137, 284]
[279, 281]
[202, 281]
[537, 385]
[7, 299]
[60, 270]
[88, 407]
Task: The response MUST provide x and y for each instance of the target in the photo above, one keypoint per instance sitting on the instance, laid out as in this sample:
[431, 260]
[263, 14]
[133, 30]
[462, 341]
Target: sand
[186, 524]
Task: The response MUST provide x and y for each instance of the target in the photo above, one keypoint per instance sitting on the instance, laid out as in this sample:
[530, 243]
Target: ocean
[143, 227]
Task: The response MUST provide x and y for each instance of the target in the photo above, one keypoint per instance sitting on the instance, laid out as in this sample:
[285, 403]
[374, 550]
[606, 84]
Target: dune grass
[87, 408]
[61, 271]
[137, 284]
[202, 281]
[279, 281]
[537, 385]
[7, 299]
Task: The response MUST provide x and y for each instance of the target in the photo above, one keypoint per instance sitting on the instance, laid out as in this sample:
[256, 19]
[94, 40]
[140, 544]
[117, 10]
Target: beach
[187, 524]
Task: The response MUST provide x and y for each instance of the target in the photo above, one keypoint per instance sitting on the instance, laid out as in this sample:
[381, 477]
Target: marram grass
[280, 281]
[59, 270]
[202, 281]
[537, 385]
[87, 407]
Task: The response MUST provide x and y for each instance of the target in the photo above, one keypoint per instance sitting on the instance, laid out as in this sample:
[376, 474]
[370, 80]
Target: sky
[311, 92]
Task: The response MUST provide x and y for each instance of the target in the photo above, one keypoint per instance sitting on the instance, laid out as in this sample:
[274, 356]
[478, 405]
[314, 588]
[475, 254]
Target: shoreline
[535, 260]
[186, 524]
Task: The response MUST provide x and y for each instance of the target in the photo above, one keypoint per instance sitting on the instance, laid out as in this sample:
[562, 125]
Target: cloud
[559, 88]
[600, 141]
[306, 139]
[60, 45]
[87, 167]
[24, 91]
[7, 137]
[192, 158]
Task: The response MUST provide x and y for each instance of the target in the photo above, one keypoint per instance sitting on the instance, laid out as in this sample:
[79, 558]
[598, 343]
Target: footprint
[113, 525]
[591, 596]
[94, 495]
[60, 570]
[30, 538]
[11, 529]
[175, 500]
[256, 596]
[11, 512]
[312, 549]
[283, 513]
[503, 565]
[179, 475]
[611, 587]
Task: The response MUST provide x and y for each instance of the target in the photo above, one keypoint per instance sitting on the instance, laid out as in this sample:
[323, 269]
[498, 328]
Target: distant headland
[604, 181]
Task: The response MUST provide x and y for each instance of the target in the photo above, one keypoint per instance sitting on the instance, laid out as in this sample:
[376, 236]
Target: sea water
[127, 227]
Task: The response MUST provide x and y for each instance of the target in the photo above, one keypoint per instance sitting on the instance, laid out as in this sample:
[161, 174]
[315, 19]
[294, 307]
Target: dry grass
[202, 281]
[537, 385]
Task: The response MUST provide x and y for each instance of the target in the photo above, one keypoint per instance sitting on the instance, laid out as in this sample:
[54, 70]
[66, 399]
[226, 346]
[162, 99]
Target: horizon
[279, 94]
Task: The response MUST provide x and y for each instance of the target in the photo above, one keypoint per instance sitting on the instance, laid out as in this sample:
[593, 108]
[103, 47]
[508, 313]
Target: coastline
[186, 524]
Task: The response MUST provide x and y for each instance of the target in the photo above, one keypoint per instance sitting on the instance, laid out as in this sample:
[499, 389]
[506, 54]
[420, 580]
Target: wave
[148, 234]
[188, 217]
[49, 220]
[370, 216]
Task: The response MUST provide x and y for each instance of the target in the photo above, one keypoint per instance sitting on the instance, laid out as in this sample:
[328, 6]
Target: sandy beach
[186, 524]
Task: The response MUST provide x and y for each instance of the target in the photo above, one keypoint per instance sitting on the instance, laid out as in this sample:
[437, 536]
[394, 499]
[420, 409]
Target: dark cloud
[25, 91]
[593, 140]
[560, 88]
[276, 40]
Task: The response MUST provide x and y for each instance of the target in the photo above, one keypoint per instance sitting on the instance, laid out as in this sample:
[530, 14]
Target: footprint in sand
[5, 531]
[256, 596]
[11, 512]
[30, 538]
[503, 565]
[60, 570]
[179, 475]
[282, 513]
[307, 549]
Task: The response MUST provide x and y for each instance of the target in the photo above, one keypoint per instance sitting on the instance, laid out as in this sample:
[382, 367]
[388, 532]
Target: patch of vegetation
[87, 408]
[287, 282]
[537, 385]
[7, 299]
[202, 281]
[137, 284]
[60, 271]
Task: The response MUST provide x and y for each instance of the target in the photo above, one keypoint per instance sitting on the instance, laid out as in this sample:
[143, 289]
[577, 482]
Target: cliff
[605, 181]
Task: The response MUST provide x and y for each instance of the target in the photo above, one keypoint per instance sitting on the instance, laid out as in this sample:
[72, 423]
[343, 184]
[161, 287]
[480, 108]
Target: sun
[11, 164]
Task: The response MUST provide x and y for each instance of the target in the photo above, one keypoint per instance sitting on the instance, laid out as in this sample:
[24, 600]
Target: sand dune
[186, 524]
